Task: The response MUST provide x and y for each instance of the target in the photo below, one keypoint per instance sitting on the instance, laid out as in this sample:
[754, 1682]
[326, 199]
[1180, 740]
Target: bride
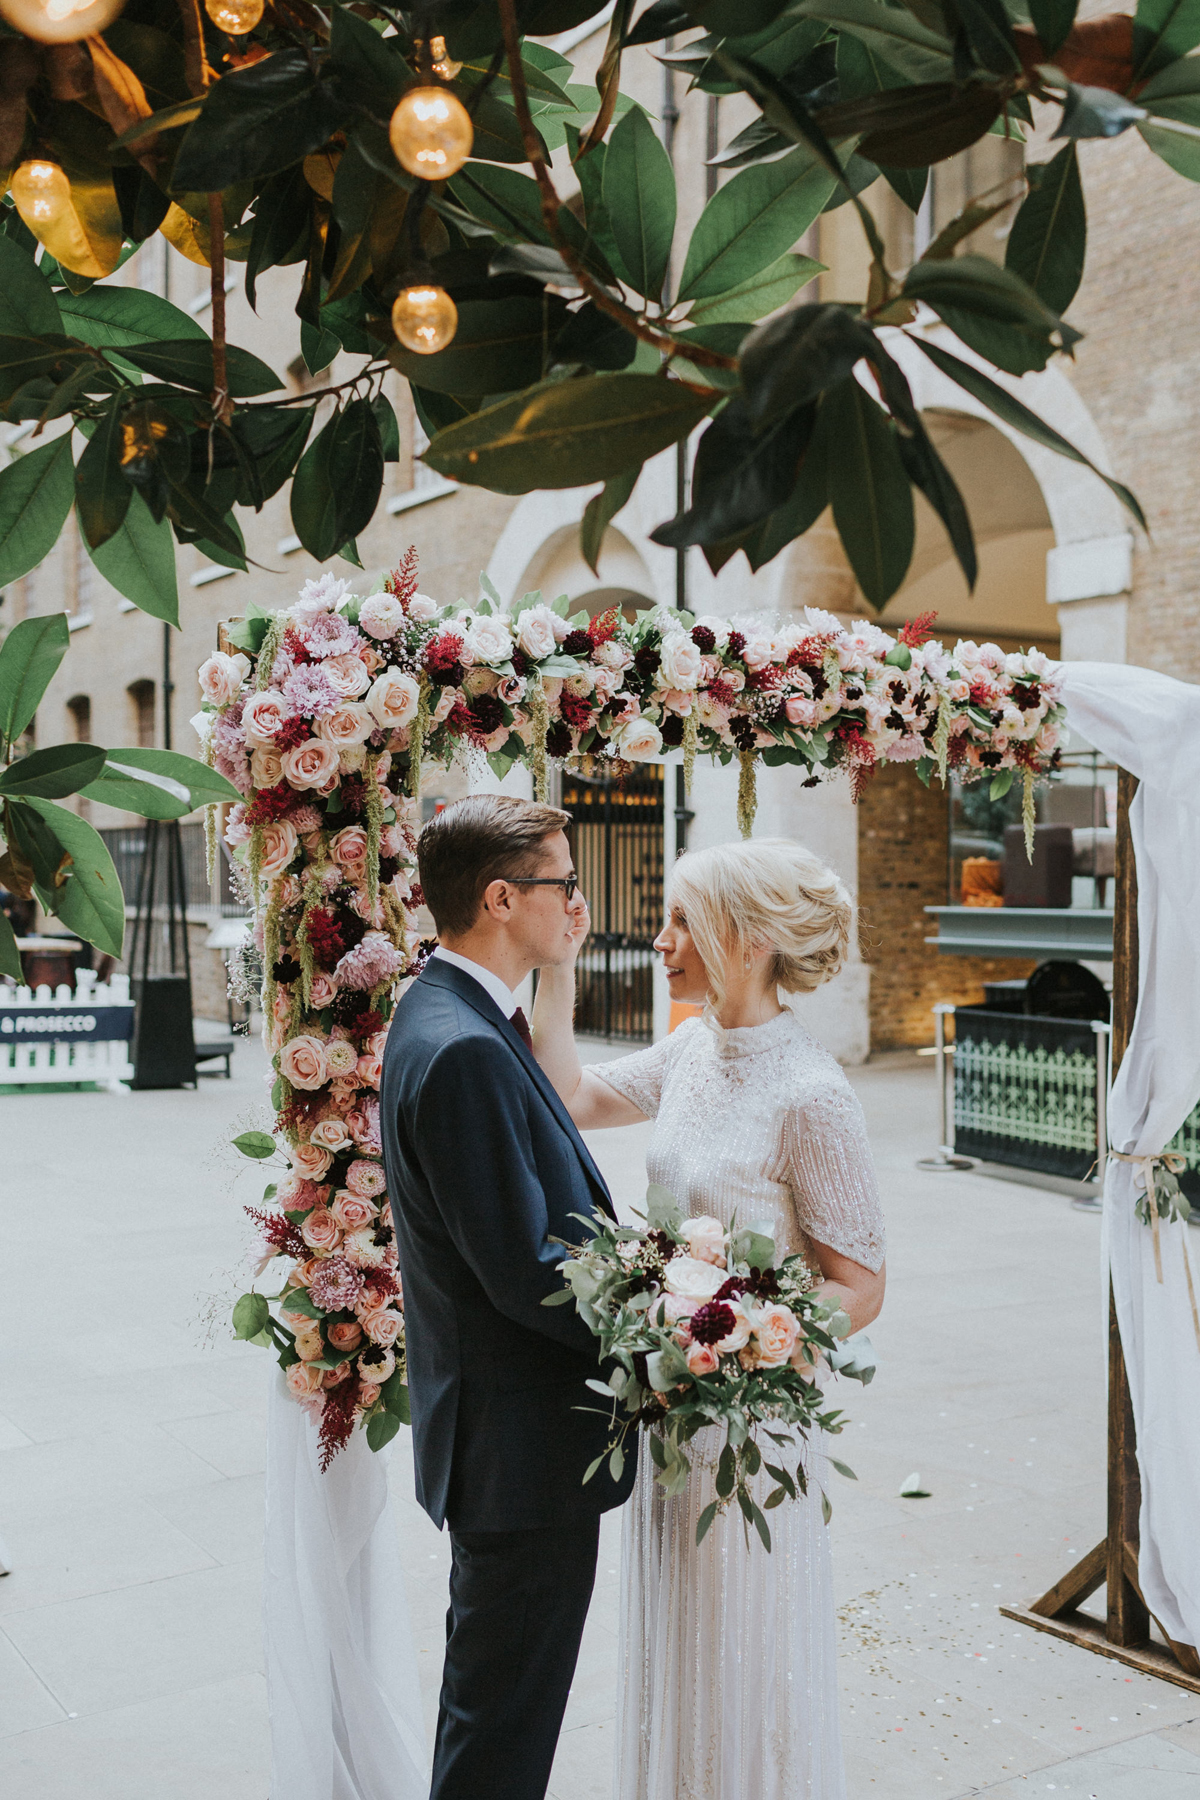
[729, 1680]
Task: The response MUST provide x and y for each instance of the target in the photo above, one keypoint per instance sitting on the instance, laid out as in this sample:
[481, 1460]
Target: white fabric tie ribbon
[1143, 1174]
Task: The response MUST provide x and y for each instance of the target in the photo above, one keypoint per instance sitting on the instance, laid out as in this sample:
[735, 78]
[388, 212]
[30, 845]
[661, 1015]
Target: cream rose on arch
[536, 632]
[302, 1062]
[681, 662]
[393, 698]
[279, 846]
[350, 724]
[638, 741]
[330, 1134]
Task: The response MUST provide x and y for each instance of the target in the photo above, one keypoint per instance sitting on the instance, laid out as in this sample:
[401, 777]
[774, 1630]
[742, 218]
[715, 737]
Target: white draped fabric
[1150, 725]
[342, 1687]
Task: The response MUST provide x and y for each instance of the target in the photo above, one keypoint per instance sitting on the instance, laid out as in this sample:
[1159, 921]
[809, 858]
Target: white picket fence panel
[104, 1061]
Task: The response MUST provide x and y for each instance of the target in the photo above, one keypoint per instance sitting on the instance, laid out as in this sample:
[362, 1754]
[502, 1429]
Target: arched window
[141, 706]
[80, 709]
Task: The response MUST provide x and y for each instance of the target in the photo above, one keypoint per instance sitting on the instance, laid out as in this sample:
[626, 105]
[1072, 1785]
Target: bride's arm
[591, 1102]
[858, 1291]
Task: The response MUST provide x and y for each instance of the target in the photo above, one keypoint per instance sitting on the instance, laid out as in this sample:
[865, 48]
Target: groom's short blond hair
[484, 838]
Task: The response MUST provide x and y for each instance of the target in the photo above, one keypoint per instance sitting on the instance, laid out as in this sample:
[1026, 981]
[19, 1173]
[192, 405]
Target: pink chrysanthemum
[369, 963]
[310, 694]
[336, 1285]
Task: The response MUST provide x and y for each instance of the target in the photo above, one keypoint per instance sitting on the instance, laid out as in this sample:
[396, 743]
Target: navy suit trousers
[518, 1600]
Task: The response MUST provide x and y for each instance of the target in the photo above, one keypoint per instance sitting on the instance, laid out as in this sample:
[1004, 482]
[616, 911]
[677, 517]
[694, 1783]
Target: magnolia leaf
[29, 656]
[89, 899]
[381, 1429]
[752, 220]
[599, 512]
[567, 433]
[250, 1315]
[53, 773]
[255, 1144]
[639, 198]
[36, 491]
[761, 294]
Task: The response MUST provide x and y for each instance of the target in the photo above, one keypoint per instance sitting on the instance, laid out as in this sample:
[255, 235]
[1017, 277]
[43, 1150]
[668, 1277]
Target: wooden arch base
[1124, 1633]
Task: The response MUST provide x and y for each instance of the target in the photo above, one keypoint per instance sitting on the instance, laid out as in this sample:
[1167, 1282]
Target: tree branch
[221, 402]
[195, 58]
[550, 204]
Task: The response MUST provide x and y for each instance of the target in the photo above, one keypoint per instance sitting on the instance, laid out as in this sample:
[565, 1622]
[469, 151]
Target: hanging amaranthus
[747, 800]
[1028, 811]
[417, 733]
[691, 733]
[539, 718]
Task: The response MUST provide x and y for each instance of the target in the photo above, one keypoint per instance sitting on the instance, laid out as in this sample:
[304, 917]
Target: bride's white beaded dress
[729, 1681]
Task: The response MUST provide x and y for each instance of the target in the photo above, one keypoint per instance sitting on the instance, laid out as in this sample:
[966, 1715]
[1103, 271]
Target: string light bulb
[424, 318]
[40, 191]
[60, 21]
[431, 133]
[237, 17]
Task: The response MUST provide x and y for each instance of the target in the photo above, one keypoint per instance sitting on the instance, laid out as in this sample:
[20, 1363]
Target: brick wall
[903, 831]
[1137, 370]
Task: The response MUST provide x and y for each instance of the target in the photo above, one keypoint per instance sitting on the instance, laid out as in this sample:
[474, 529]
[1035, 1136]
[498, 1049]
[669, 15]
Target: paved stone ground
[130, 1479]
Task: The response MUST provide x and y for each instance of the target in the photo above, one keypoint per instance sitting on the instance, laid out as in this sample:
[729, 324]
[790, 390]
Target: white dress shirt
[491, 984]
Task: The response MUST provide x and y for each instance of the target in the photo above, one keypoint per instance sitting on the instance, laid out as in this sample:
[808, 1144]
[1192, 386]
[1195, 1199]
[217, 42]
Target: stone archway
[1049, 533]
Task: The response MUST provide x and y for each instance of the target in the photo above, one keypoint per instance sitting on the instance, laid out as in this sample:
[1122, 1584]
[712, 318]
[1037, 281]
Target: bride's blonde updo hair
[766, 893]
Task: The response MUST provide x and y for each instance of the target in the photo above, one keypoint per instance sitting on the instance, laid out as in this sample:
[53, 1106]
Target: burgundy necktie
[520, 1025]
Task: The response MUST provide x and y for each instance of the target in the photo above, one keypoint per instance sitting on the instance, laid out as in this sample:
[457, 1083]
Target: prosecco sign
[65, 1025]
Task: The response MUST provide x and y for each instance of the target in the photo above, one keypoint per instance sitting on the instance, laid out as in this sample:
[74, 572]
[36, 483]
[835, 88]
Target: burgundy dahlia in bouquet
[703, 1328]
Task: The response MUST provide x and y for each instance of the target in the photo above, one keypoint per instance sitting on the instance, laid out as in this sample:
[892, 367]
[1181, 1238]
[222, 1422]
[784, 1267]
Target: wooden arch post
[1124, 1633]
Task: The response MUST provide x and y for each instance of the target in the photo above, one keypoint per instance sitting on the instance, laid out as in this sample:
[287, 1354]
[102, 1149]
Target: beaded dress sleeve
[641, 1077]
[825, 1162]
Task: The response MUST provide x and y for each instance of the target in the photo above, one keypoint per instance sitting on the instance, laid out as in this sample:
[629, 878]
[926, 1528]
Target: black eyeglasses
[568, 883]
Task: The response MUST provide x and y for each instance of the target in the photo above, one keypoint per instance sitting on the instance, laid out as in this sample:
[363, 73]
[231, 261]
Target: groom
[484, 1168]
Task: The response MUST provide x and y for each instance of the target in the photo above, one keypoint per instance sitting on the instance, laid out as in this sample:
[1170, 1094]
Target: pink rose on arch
[302, 1063]
[382, 1325]
[340, 1058]
[801, 712]
[377, 1043]
[335, 1377]
[311, 764]
[347, 675]
[323, 990]
[221, 677]
[351, 1212]
[296, 1194]
[369, 1070]
[363, 1126]
[366, 1179]
[279, 846]
[702, 1359]
[321, 1230]
[263, 717]
[349, 847]
[392, 699]
[303, 1380]
[310, 1161]
[350, 725]
[345, 1336]
[330, 1134]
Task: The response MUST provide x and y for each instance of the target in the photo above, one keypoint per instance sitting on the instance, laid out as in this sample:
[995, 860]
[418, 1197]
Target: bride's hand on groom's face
[581, 923]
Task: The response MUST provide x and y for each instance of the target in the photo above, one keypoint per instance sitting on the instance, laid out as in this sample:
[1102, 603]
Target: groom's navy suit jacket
[484, 1167]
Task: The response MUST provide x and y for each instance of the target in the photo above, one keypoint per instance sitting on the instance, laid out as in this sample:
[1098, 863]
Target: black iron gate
[617, 839]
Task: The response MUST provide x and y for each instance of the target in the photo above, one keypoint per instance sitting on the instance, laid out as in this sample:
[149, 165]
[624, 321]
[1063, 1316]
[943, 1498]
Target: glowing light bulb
[431, 133]
[234, 16]
[424, 318]
[40, 190]
[60, 21]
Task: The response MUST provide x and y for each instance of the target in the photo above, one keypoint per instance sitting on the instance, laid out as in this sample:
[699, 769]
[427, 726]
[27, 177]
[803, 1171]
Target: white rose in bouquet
[692, 1279]
[706, 1239]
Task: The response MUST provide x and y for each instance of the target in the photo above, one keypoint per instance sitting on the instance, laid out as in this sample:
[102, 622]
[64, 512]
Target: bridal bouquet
[704, 1327]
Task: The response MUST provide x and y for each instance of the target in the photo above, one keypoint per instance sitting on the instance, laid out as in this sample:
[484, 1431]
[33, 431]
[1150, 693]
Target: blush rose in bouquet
[703, 1327]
